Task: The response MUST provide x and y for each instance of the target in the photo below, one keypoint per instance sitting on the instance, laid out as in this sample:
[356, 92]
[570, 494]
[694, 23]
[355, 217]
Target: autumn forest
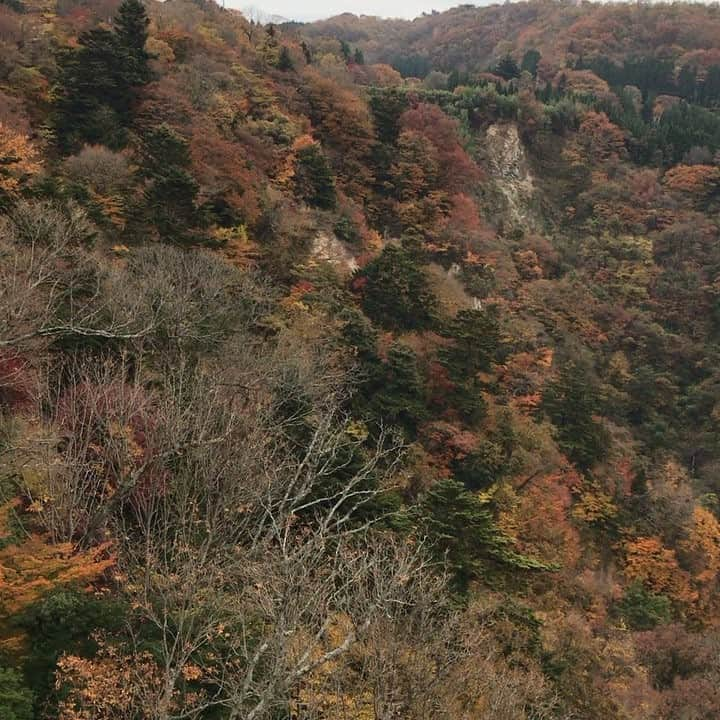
[362, 369]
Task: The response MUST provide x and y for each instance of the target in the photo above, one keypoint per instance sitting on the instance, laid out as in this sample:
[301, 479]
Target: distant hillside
[471, 39]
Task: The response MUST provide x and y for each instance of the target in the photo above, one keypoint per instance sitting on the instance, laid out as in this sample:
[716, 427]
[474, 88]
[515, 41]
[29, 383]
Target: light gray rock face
[508, 167]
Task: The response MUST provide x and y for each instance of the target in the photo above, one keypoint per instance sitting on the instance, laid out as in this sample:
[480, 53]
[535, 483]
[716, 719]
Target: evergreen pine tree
[570, 402]
[98, 82]
[400, 395]
[171, 191]
[476, 343]
[453, 79]
[16, 700]
[314, 181]
[507, 68]
[463, 532]
[476, 347]
[131, 28]
[306, 52]
[530, 61]
[396, 292]
[285, 62]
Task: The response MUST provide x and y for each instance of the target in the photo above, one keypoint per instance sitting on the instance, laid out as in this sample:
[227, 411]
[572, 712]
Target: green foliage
[64, 622]
[346, 230]
[345, 50]
[463, 532]
[642, 609]
[98, 82]
[314, 181]
[398, 397]
[476, 343]
[530, 61]
[507, 68]
[395, 291]
[387, 105]
[412, 65]
[171, 190]
[131, 28]
[16, 699]
[571, 402]
[476, 346]
[483, 467]
[649, 74]
[285, 62]
[15, 5]
[94, 94]
[681, 128]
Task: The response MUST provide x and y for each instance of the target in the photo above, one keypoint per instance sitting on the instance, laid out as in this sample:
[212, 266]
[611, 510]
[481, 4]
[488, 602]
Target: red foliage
[343, 122]
[448, 444]
[15, 380]
[220, 166]
[456, 170]
[602, 139]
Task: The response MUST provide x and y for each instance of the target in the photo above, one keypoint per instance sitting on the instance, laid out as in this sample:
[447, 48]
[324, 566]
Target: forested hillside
[359, 370]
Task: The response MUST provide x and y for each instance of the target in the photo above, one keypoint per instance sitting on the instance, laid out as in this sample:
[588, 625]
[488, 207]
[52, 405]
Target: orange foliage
[656, 567]
[700, 551]
[384, 76]
[456, 170]
[344, 125]
[18, 160]
[524, 374]
[541, 520]
[698, 180]
[34, 567]
[582, 81]
[448, 444]
[601, 139]
[221, 168]
[111, 686]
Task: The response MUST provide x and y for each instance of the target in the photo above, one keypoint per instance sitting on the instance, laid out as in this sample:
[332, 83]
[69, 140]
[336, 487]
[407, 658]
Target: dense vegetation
[362, 369]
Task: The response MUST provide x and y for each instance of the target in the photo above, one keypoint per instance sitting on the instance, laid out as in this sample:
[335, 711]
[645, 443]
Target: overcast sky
[317, 9]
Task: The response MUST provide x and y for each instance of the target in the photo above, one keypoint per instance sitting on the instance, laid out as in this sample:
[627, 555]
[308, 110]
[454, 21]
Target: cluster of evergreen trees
[98, 81]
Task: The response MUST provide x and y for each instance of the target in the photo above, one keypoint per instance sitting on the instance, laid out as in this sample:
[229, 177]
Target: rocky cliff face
[327, 248]
[511, 179]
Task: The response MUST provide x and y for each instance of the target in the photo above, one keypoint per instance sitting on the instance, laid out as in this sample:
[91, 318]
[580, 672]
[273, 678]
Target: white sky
[319, 9]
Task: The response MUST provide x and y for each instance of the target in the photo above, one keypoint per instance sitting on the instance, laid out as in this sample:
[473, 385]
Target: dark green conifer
[99, 80]
[571, 402]
[171, 192]
[131, 27]
[463, 532]
[285, 62]
[314, 181]
[396, 292]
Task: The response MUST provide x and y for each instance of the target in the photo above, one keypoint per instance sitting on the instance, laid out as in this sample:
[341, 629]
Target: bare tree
[90, 449]
[52, 285]
[246, 555]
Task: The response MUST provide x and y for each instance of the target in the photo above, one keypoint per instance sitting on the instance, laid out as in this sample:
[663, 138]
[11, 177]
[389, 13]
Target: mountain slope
[335, 389]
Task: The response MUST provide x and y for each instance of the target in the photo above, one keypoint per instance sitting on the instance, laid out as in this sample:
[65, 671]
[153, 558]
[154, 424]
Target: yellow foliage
[112, 208]
[239, 249]
[701, 547]
[595, 507]
[33, 567]
[162, 52]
